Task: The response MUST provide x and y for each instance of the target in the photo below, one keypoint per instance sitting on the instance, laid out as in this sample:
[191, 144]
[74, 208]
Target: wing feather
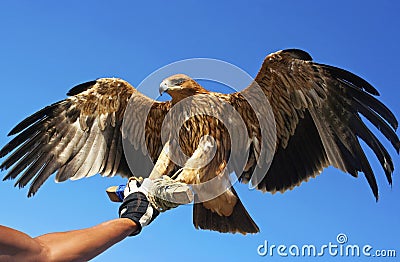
[77, 137]
[85, 156]
[317, 112]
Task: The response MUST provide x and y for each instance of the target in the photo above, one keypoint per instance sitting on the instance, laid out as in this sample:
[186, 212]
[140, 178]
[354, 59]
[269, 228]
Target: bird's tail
[239, 221]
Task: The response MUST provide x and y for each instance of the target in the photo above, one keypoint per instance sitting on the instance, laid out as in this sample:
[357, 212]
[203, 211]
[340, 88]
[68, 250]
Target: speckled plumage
[316, 110]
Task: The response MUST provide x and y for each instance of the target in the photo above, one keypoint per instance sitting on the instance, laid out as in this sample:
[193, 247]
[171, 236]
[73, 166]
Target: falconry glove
[136, 205]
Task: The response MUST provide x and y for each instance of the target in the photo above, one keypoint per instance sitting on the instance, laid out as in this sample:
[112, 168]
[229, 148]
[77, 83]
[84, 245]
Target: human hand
[136, 205]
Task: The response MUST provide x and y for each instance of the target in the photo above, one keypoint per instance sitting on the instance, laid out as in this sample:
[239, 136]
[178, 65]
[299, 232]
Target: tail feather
[238, 222]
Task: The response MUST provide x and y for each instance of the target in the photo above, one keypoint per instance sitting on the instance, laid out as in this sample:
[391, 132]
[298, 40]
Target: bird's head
[180, 86]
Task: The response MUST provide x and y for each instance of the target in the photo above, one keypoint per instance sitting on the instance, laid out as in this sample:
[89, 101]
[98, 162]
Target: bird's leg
[191, 173]
[164, 165]
[209, 177]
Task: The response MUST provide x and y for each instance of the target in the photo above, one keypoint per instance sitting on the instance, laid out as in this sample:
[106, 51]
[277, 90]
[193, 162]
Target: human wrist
[128, 225]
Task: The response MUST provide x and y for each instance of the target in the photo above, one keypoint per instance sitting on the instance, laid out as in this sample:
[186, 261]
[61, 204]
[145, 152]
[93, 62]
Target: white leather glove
[136, 205]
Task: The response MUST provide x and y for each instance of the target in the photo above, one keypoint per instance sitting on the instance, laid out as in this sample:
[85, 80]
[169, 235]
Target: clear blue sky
[47, 47]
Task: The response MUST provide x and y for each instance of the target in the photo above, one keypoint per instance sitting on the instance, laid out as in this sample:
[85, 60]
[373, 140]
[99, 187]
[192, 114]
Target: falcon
[296, 118]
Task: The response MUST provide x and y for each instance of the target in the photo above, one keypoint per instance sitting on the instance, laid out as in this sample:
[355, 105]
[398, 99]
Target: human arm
[76, 245]
[84, 244]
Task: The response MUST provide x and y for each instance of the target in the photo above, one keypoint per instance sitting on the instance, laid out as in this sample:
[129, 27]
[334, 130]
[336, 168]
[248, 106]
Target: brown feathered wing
[317, 110]
[81, 136]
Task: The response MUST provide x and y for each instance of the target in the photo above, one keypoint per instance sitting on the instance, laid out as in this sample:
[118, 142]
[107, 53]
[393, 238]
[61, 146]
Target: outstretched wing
[317, 112]
[76, 137]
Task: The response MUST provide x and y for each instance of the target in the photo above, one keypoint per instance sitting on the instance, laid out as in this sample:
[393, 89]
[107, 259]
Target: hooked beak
[163, 87]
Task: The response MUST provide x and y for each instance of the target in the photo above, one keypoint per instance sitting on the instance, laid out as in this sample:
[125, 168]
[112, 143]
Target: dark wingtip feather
[39, 115]
[81, 88]
[379, 123]
[376, 105]
[369, 174]
[29, 121]
[351, 78]
[31, 192]
[380, 151]
[373, 185]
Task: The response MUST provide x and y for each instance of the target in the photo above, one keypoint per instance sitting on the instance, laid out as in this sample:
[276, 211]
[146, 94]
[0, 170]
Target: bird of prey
[316, 119]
